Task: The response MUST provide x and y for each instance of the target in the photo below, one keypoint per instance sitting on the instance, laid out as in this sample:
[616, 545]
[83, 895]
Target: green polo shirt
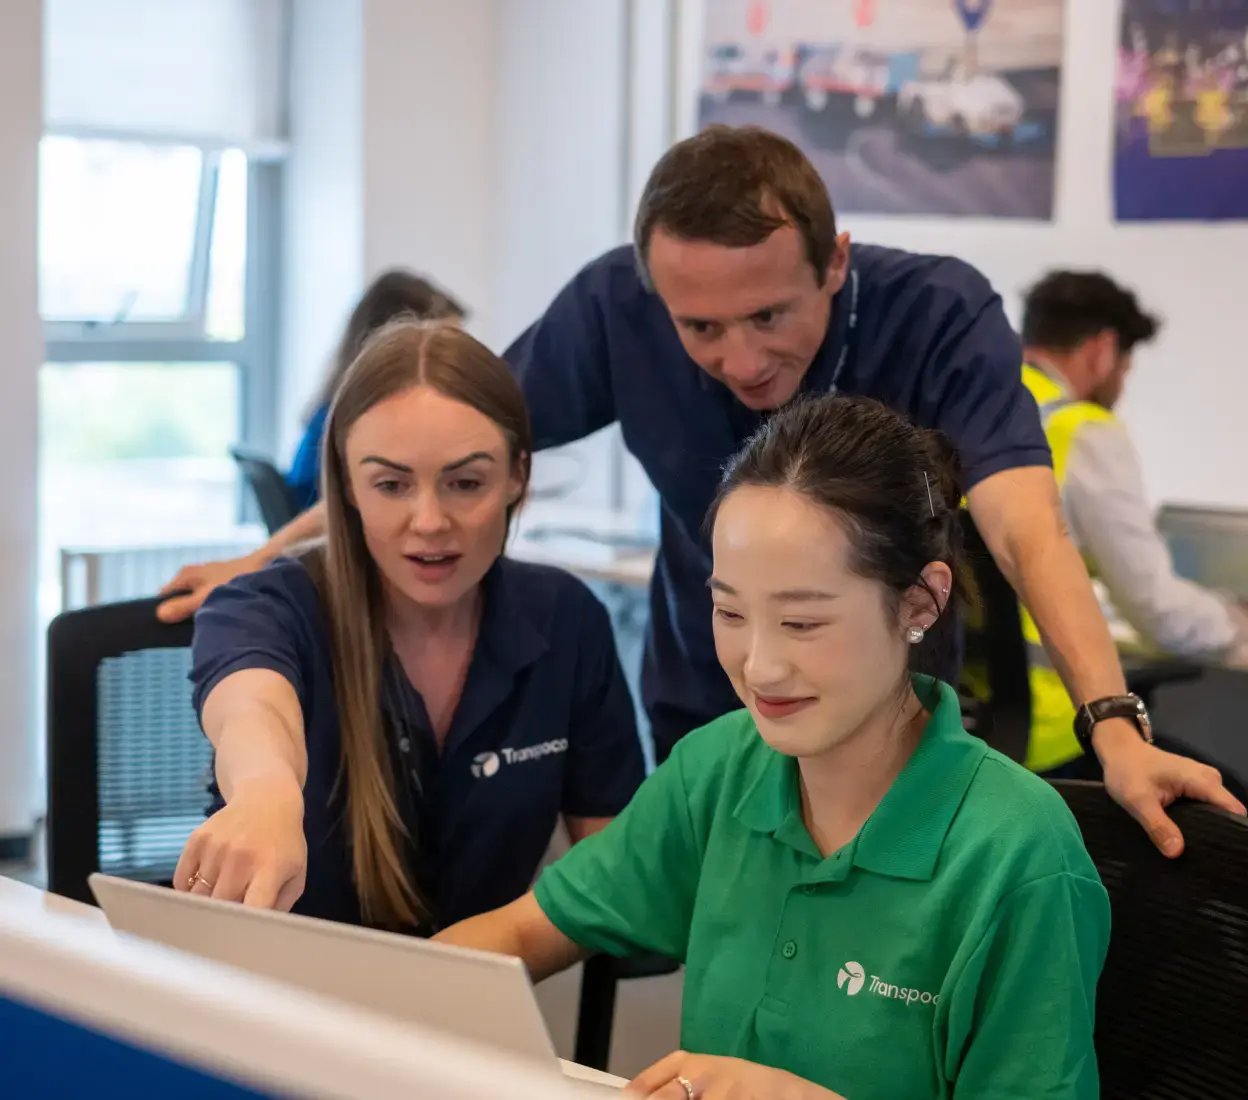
[951, 949]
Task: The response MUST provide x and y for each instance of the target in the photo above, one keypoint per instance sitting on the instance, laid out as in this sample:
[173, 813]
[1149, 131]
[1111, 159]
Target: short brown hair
[735, 186]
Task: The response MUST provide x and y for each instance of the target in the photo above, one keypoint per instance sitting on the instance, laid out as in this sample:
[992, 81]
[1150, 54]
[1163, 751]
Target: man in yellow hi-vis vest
[1079, 331]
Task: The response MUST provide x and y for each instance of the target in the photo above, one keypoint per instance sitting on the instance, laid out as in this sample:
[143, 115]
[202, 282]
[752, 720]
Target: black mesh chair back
[268, 487]
[1172, 1005]
[127, 764]
[995, 644]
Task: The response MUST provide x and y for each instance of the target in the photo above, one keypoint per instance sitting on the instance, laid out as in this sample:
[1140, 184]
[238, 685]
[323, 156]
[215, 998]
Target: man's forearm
[1052, 581]
[1020, 520]
[1055, 586]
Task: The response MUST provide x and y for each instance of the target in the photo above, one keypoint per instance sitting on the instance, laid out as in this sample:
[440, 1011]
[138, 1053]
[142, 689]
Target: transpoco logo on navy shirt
[486, 764]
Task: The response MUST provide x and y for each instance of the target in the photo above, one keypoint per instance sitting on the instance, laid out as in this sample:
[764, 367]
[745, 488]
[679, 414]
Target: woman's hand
[253, 850]
[682, 1076]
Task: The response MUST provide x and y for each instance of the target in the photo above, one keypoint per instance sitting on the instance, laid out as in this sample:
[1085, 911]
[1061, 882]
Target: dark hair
[736, 186]
[394, 295]
[894, 486]
[1065, 308]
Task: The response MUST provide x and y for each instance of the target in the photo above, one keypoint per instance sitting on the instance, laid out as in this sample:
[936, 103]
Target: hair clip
[930, 503]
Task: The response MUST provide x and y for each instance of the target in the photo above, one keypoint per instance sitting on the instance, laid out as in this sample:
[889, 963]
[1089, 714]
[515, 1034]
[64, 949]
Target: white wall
[559, 188]
[21, 122]
[1186, 399]
[393, 162]
[323, 232]
[475, 143]
[560, 145]
[430, 144]
[206, 68]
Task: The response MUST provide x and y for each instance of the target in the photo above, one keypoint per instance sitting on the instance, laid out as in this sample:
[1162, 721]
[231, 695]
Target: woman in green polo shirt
[869, 901]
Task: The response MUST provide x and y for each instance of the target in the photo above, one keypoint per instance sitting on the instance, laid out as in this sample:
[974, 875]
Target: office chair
[595, 1018]
[127, 764]
[995, 645]
[272, 494]
[1170, 1017]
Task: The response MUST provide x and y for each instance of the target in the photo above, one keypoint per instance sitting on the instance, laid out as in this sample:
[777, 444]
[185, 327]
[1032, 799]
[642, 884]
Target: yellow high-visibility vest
[1052, 712]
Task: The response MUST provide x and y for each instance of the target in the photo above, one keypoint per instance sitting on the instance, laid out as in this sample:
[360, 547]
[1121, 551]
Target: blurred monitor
[1209, 545]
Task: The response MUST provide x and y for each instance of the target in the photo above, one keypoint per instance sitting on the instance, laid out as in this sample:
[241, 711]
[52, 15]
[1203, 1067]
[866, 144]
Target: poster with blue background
[946, 107]
[1181, 146]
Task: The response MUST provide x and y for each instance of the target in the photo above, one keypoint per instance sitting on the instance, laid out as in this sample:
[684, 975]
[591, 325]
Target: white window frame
[185, 340]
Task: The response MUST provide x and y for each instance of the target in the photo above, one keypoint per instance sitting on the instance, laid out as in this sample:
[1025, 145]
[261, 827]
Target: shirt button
[404, 744]
[789, 949]
[808, 890]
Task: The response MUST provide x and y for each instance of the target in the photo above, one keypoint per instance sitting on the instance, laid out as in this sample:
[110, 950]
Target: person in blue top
[392, 295]
[401, 716]
[739, 294]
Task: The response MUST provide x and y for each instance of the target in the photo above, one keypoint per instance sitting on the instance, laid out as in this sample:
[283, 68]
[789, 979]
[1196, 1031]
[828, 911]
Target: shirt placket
[799, 925]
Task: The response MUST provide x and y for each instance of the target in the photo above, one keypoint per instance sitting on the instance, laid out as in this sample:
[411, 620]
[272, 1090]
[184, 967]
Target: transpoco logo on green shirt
[852, 977]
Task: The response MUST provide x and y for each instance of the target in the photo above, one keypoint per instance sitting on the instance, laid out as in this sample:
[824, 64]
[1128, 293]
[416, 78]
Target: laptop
[476, 995]
[1209, 545]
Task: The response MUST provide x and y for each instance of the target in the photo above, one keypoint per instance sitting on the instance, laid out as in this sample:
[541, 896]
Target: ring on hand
[198, 880]
[687, 1085]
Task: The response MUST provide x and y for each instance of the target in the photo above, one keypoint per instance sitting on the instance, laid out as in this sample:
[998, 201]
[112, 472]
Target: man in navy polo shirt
[738, 295]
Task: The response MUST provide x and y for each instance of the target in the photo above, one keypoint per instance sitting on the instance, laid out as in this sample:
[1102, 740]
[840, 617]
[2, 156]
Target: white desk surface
[572, 540]
[14, 894]
[31, 899]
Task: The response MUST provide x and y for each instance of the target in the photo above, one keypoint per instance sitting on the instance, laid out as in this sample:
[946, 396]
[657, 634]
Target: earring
[915, 635]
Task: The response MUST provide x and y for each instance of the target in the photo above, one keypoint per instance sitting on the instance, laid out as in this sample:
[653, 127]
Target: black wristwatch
[1114, 706]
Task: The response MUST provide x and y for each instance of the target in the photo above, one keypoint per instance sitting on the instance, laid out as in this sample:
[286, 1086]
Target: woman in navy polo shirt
[401, 716]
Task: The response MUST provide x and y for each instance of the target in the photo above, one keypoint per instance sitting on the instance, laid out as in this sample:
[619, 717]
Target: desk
[597, 544]
[32, 900]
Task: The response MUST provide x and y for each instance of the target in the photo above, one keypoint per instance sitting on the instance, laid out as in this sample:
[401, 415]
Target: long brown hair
[399, 357]
[394, 295]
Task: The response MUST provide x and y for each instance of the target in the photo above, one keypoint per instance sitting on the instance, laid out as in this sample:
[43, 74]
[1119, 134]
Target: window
[117, 230]
[154, 288]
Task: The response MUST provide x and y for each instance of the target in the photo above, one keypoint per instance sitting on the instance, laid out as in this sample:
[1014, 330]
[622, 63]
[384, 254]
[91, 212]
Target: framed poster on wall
[945, 107]
[1181, 110]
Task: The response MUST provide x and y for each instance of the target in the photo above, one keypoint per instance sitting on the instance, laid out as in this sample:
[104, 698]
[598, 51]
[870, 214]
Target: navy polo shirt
[545, 726]
[926, 335]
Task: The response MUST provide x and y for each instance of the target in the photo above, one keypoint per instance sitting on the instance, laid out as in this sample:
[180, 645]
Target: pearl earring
[915, 635]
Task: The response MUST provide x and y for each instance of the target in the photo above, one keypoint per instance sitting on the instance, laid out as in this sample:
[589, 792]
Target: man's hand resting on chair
[195, 582]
